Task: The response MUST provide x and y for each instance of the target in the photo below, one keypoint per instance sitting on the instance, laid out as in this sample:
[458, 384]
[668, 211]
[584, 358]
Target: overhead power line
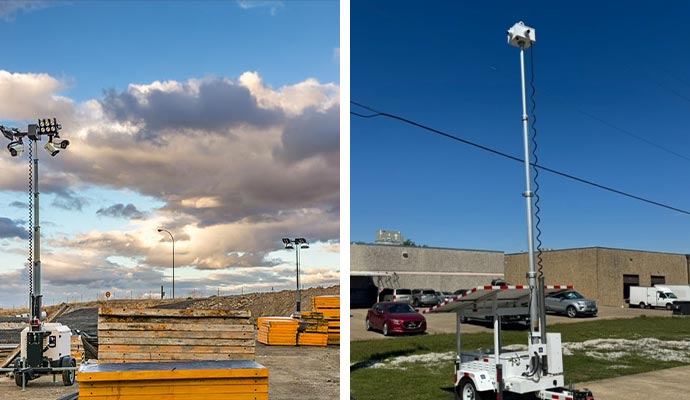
[377, 113]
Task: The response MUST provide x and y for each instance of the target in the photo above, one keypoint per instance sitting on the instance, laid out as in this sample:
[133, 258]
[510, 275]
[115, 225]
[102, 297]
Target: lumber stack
[190, 380]
[77, 348]
[329, 307]
[280, 331]
[151, 335]
[313, 329]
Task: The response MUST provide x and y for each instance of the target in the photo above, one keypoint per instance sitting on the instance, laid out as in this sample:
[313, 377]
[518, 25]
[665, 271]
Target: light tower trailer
[488, 375]
[45, 352]
[45, 347]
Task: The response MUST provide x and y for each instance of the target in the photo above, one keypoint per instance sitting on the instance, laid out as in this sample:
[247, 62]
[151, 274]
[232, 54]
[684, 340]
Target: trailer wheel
[642, 305]
[68, 376]
[385, 329]
[19, 375]
[467, 391]
[571, 311]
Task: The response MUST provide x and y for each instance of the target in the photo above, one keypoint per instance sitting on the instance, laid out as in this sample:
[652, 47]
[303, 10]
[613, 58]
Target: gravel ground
[312, 371]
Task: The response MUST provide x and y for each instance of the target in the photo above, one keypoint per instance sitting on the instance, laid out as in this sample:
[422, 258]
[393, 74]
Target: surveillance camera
[52, 148]
[63, 143]
[15, 148]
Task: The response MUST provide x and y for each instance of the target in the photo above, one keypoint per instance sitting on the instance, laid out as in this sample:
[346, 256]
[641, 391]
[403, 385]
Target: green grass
[427, 381]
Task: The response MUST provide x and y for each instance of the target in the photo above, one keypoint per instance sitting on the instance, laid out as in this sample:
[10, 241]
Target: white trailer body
[681, 291]
[57, 344]
[651, 297]
[502, 370]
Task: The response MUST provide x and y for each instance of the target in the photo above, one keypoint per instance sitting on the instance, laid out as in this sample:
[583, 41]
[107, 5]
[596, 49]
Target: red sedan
[389, 317]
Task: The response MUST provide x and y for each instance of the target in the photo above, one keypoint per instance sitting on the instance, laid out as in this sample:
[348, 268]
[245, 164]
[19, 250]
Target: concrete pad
[664, 384]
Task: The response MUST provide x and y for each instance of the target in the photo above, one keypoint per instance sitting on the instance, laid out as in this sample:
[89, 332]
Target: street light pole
[173, 259]
[297, 244]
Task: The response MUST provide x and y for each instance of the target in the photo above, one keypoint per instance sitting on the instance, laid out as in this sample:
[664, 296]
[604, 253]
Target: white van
[681, 291]
[650, 297]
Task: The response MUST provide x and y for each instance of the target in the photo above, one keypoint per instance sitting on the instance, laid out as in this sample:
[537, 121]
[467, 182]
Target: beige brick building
[390, 266]
[604, 274]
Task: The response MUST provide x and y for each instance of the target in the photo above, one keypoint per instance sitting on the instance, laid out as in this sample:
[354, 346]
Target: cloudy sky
[217, 121]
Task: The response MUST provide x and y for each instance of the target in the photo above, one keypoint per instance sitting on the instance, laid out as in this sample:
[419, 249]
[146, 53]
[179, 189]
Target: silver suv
[424, 297]
[398, 295]
[570, 303]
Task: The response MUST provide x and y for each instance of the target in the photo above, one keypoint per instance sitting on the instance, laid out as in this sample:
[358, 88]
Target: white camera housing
[15, 148]
[521, 35]
[62, 143]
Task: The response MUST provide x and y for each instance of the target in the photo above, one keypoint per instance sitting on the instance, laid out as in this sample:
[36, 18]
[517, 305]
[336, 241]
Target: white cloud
[237, 164]
[10, 8]
[272, 5]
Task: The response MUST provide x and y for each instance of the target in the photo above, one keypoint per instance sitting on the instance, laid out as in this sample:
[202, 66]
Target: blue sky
[605, 72]
[216, 120]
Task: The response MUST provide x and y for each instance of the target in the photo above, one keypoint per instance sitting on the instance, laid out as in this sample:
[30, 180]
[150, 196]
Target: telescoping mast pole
[522, 37]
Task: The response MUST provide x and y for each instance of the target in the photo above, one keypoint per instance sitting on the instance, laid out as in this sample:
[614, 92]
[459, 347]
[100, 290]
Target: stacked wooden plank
[280, 331]
[189, 380]
[77, 348]
[151, 335]
[329, 306]
[313, 329]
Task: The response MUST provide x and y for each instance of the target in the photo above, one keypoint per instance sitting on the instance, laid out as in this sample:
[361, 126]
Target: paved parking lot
[445, 322]
[667, 383]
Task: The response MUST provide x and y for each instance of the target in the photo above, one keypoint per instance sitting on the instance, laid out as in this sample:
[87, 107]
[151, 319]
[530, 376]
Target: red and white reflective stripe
[558, 397]
[489, 287]
[467, 375]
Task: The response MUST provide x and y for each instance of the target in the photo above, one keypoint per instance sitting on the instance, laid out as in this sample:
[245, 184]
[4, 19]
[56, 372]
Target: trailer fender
[482, 381]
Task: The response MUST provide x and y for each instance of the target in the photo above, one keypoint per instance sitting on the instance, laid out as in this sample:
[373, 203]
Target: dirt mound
[260, 304]
[84, 316]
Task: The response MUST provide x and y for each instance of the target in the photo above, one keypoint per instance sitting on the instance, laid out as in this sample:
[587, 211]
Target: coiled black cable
[537, 209]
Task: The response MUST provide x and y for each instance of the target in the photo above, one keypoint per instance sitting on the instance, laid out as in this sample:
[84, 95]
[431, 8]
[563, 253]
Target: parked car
[570, 303]
[498, 282]
[460, 292]
[424, 297]
[443, 296]
[391, 317]
[396, 295]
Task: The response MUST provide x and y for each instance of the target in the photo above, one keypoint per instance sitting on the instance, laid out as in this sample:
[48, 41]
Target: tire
[68, 376]
[571, 312]
[669, 306]
[642, 305]
[385, 329]
[467, 391]
[366, 322]
[18, 376]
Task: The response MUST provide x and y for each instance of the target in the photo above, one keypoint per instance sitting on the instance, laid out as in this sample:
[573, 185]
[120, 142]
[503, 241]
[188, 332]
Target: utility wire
[618, 128]
[377, 113]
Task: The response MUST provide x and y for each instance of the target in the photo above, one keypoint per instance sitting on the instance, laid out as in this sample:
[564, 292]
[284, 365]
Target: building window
[658, 280]
[629, 280]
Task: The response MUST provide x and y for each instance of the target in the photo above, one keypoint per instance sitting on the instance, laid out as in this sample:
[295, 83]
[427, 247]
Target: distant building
[604, 274]
[389, 237]
[374, 267]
